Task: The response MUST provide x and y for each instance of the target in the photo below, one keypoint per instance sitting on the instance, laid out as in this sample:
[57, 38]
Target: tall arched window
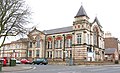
[68, 41]
[58, 42]
[38, 42]
[95, 36]
[49, 44]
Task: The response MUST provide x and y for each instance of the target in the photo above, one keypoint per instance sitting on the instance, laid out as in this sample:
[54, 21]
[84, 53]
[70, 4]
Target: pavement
[18, 67]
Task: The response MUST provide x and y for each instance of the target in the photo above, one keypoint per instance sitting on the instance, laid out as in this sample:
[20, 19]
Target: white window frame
[69, 43]
[79, 38]
[58, 44]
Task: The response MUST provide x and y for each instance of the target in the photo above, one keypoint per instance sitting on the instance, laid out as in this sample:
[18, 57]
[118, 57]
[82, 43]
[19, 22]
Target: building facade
[83, 40]
[16, 49]
[113, 43]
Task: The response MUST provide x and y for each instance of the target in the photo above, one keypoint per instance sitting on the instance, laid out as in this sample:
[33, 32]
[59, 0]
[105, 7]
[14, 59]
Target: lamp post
[3, 51]
[34, 49]
[71, 60]
[73, 48]
[64, 48]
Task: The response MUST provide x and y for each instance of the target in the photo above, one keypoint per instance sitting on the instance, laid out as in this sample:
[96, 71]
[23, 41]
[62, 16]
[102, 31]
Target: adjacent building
[112, 47]
[16, 49]
[81, 41]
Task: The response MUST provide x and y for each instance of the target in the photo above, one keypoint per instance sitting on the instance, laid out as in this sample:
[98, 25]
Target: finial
[96, 15]
[81, 3]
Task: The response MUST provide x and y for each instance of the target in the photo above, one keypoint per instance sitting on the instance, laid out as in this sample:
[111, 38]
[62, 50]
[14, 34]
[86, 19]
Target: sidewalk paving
[19, 67]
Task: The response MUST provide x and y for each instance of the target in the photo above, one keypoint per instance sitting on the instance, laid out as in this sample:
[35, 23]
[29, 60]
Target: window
[37, 52]
[95, 39]
[49, 44]
[95, 36]
[79, 38]
[88, 39]
[60, 54]
[38, 42]
[17, 46]
[58, 44]
[30, 53]
[69, 43]
[30, 44]
[89, 49]
[56, 54]
[49, 54]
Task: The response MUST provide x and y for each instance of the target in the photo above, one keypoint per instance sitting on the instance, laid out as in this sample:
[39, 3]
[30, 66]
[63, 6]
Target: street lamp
[71, 60]
[3, 50]
[64, 48]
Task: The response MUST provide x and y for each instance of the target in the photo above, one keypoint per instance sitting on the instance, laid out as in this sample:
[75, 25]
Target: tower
[81, 37]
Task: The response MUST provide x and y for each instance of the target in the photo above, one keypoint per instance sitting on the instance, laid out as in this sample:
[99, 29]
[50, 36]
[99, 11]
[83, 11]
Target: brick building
[112, 43]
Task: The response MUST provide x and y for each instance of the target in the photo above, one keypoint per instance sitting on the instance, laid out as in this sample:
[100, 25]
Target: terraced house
[83, 40]
[16, 49]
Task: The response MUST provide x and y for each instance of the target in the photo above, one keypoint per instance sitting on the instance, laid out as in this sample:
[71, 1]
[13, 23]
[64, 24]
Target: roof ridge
[58, 28]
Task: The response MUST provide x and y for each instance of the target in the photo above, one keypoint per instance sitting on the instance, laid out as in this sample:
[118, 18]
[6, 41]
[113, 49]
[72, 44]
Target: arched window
[49, 44]
[58, 42]
[95, 36]
[38, 42]
[68, 41]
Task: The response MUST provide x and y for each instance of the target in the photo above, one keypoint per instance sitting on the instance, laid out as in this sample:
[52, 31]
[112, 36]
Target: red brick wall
[111, 43]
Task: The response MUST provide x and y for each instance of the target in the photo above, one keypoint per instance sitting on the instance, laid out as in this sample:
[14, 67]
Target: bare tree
[14, 16]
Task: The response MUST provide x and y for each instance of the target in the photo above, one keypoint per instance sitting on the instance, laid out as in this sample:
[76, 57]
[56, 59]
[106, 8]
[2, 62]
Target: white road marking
[67, 72]
[98, 69]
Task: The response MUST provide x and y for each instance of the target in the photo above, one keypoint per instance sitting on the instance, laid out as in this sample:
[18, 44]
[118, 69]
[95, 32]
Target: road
[72, 69]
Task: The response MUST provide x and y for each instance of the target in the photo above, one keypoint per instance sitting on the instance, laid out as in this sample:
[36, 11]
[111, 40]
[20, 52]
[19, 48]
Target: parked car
[25, 61]
[17, 61]
[40, 61]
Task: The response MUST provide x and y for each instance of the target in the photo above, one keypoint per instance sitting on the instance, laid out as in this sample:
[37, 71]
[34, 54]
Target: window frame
[79, 38]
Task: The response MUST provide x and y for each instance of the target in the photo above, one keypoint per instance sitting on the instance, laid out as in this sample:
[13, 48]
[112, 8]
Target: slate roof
[81, 12]
[110, 50]
[97, 21]
[20, 40]
[58, 30]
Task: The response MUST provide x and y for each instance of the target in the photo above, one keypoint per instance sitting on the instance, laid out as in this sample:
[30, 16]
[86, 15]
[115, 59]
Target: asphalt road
[72, 69]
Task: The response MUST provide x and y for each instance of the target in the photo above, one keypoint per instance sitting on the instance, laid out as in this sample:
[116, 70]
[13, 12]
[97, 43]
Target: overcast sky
[51, 14]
